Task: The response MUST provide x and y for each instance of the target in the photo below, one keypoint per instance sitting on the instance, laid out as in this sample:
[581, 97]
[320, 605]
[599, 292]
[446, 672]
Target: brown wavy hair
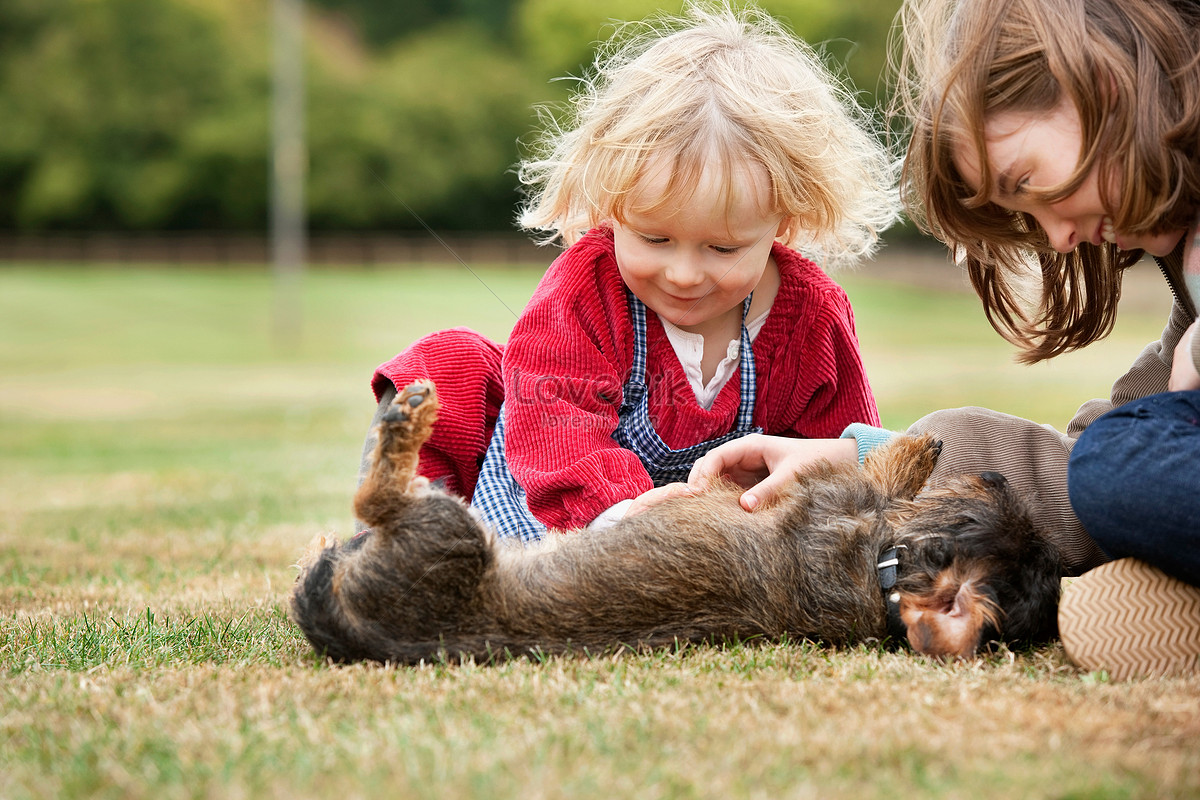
[1132, 70]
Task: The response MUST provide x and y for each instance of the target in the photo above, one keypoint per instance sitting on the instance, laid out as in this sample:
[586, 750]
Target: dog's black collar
[889, 570]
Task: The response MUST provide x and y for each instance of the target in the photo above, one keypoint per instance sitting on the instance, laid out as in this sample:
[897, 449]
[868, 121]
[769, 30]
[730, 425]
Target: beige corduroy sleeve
[1196, 351]
[1034, 457]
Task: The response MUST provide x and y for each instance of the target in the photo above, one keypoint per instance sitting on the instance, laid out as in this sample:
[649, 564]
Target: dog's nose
[994, 479]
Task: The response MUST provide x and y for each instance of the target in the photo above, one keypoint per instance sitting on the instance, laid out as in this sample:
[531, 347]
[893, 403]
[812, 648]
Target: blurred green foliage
[155, 114]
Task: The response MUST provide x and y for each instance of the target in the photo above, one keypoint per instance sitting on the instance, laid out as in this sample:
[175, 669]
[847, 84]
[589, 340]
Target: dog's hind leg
[399, 436]
[900, 468]
[401, 589]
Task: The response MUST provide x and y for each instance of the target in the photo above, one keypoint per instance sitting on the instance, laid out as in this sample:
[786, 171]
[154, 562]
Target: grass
[166, 456]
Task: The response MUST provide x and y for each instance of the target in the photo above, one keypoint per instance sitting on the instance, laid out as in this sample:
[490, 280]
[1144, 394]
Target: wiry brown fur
[428, 581]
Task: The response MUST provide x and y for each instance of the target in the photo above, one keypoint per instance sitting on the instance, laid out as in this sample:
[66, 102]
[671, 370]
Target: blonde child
[1065, 135]
[700, 152]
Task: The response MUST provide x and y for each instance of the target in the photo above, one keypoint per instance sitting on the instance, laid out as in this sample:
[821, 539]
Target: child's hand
[657, 495]
[1183, 368]
[765, 465]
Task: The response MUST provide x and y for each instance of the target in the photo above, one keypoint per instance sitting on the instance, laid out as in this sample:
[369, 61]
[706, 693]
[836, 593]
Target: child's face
[1037, 151]
[694, 261]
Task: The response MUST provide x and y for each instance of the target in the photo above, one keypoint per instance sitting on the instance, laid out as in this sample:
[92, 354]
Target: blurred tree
[111, 110]
[415, 132]
[142, 114]
[852, 33]
[382, 22]
[556, 37]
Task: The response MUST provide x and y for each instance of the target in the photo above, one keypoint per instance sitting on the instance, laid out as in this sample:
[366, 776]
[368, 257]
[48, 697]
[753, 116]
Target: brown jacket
[1034, 457]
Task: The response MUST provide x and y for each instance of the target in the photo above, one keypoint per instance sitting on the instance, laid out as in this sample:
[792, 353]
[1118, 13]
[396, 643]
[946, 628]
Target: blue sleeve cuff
[867, 437]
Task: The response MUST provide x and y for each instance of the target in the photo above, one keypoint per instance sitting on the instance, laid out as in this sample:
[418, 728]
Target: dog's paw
[410, 400]
[407, 422]
[921, 451]
[900, 468]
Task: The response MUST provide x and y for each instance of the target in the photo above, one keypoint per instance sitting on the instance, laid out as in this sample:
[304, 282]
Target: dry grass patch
[769, 721]
[145, 544]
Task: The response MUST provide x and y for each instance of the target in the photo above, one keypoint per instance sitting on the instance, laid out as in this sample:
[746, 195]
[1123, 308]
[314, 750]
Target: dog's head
[974, 569]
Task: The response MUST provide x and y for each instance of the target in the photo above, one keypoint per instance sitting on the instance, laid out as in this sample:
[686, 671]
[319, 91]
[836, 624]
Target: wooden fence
[237, 249]
[908, 261]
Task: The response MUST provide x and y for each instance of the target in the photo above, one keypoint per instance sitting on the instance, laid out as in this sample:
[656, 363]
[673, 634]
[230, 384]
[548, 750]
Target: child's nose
[684, 271]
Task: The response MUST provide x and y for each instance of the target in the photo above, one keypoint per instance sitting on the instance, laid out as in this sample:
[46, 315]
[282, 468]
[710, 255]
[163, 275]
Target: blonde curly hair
[716, 88]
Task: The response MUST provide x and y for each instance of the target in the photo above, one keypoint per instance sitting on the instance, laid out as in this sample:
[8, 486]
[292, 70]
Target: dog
[845, 552]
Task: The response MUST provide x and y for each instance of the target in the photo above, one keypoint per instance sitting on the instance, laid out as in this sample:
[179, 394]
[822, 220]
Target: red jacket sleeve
[564, 367]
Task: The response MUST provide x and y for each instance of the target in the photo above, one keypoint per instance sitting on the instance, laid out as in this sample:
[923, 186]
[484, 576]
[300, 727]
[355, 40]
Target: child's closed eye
[725, 250]
[653, 239]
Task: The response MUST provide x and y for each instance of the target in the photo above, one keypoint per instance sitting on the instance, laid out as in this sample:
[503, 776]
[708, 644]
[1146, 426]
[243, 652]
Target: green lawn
[165, 456]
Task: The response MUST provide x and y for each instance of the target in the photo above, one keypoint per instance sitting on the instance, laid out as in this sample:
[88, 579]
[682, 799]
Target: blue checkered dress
[501, 500]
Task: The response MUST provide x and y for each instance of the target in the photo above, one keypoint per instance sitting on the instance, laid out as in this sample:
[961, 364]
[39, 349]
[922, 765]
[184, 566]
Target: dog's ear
[1031, 593]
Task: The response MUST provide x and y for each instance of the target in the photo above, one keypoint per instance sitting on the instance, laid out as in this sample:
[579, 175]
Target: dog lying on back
[954, 568]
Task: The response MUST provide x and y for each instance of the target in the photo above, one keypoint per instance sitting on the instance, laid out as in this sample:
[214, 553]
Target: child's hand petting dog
[767, 466]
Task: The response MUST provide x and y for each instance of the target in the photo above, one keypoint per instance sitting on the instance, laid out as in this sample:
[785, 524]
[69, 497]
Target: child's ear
[784, 225]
